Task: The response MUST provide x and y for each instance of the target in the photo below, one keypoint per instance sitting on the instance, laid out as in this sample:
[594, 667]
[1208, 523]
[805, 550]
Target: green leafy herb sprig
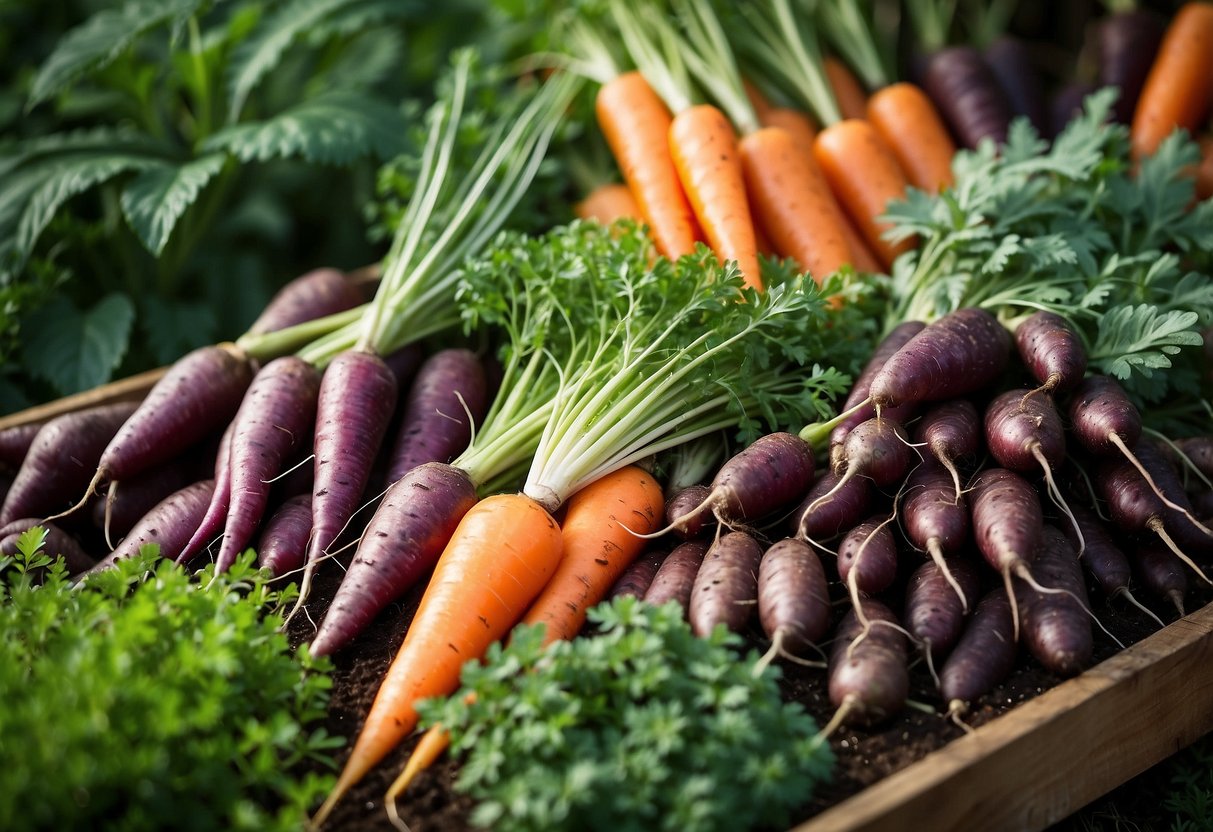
[1071, 227]
[143, 699]
[641, 726]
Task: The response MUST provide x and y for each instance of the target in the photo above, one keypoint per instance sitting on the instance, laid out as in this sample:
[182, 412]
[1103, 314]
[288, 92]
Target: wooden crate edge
[133, 387]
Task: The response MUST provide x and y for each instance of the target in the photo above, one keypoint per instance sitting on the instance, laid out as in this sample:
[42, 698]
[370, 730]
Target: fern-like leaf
[155, 199]
[336, 128]
[1141, 339]
[75, 350]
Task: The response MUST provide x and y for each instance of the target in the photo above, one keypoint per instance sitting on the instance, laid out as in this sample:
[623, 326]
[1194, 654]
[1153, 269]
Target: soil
[863, 756]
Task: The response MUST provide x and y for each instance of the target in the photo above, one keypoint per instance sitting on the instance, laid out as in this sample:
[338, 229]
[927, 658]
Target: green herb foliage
[143, 699]
[641, 726]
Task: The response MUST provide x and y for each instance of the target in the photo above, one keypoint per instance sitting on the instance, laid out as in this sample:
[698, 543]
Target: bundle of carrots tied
[778, 211]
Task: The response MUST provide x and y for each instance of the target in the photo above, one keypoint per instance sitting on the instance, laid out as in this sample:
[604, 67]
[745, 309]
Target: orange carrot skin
[636, 123]
[1178, 88]
[704, 146]
[863, 173]
[501, 555]
[848, 92]
[758, 101]
[798, 123]
[913, 129]
[608, 202]
[600, 531]
[792, 202]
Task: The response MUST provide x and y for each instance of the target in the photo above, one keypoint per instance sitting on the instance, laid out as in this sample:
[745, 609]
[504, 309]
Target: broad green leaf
[99, 40]
[98, 140]
[75, 350]
[369, 58]
[155, 199]
[175, 327]
[336, 128]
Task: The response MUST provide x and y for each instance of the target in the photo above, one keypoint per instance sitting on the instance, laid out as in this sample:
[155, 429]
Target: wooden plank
[131, 388]
[1056, 753]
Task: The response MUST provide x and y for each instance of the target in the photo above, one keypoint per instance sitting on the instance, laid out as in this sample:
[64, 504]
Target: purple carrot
[1057, 626]
[15, 442]
[936, 521]
[869, 678]
[1010, 59]
[638, 577]
[1052, 351]
[278, 412]
[1128, 42]
[313, 295]
[1007, 526]
[968, 95]
[675, 577]
[878, 450]
[1066, 104]
[284, 537]
[401, 542]
[446, 401]
[817, 518]
[984, 655]
[57, 543]
[793, 598]
[951, 431]
[1104, 559]
[216, 511]
[681, 517]
[169, 525]
[1162, 573]
[404, 364]
[958, 354]
[62, 459]
[933, 612]
[867, 557]
[726, 587]
[1198, 453]
[139, 494]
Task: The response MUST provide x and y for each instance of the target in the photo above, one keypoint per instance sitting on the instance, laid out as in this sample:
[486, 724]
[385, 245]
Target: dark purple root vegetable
[869, 679]
[168, 525]
[212, 520]
[793, 597]
[15, 442]
[968, 95]
[404, 363]
[1198, 453]
[1056, 626]
[960, 353]
[447, 399]
[878, 449]
[888, 345]
[62, 459]
[6, 482]
[1104, 559]
[984, 655]
[676, 576]
[1052, 351]
[284, 537]
[401, 543]
[1007, 525]
[867, 557]
[726, 587]
[1128, 42]
[1179, 519]
[831, 507]
[1102, 417]
[1162, 573]
[681, 516]
[638, 577]
[934, 614]
[57, 543]
[313, 295]
[951, 431]
[935, 518]
[1010, 59]
[139, 495]
[1067, 103]
[1202, 505]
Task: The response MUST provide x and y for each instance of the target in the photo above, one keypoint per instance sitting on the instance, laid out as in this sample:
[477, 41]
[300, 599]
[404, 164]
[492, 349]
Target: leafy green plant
[144, 699]
[640, 726]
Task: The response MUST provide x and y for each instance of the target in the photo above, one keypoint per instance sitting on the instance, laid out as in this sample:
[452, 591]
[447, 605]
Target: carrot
[906, 119]
[601, 531]
[500, 557]
[1179, 86]
[798, 123]
[608, 202]
[761, 105]
[636, 123]
[848, 92]
[851, 146]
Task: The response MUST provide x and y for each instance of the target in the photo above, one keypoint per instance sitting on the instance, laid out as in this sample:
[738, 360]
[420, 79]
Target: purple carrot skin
[62, 459]
[960, 353]
[1010, 59]
[283, 539]
[313, 295]
[675, 577]
[1102, 417]
[1161, 572]
[447, 399]
[15, 442]
[1198, 451]
[867, 556]
[951, 432]
[357, 397]
[6, 482]
[888, 345]
[761, 479]
[1108, 565]
[878, 450]
[638, 577]
[726, 587]
[404, 363]
[1128, 41]
[819, 518]
[168, 525]
[681, 516]
[869, 680]
[935, 519]
[211, 522]
[401, 542]
[138, 495]
[793, 597]
[1052, 351]
[968, 95]
[983, 656]
[1202, 505]
[1056, 626]
[1007, 525]
[58, 543]
[1066, 103]
[933, 612]
[277, 414]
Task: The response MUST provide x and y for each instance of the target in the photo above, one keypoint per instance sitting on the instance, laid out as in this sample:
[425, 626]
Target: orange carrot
[758, 100]
[636, 122]
[913, 129]
[796, 122]
[608, 202]
[792, 202]
[704, 146]
[1179, 86]
[498, 560]
[852, 146]
[862, 256]
[848, 92]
